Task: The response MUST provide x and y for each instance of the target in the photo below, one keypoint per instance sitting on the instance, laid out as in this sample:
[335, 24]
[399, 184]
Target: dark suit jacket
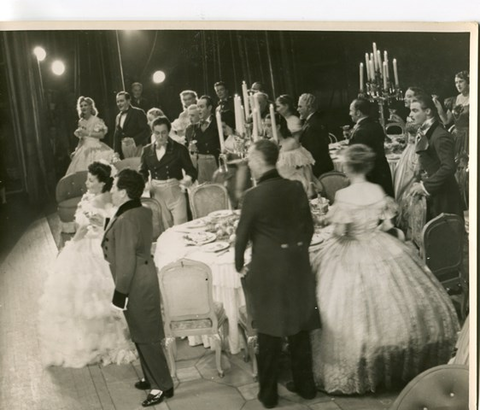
[280, 286]
[142, 103]
[126, 246]
[370, 133]
[135, 126]
[315, 139]
[436, 155]
[208, 142]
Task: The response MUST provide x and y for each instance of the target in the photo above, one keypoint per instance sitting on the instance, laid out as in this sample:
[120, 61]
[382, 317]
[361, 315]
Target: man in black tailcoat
[314, 136]
[131, 128]
[436, 155]
[369, 132]
[279, 285]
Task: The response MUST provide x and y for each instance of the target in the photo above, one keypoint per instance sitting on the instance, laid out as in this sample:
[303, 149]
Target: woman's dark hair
[269, 151]
[161, 120]
[103, 173]
[285, 99]
[132, 182]
[284, 131]
[464, 75]
[359, 158]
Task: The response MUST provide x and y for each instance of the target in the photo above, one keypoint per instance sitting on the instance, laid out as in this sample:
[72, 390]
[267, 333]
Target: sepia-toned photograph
[238, 216]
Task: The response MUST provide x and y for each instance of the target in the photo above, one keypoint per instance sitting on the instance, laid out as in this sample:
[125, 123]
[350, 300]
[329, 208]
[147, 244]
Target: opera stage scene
[236, 219]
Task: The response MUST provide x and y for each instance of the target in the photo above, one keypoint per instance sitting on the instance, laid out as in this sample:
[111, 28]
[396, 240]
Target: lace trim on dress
[298, 157]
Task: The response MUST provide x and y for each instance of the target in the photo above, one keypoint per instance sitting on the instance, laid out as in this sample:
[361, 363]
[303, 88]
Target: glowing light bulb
[58, 67]
[158, 77]
[40, 53]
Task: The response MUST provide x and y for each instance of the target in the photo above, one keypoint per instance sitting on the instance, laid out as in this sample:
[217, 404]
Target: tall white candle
[255, 125]
[361, 76]
[375, 56]
[395, 72]
[238, 114]
[380, 62]
[385, 58]
[367, 66]
[220, 130]
[245, 99]
[372, 69]
[274, 123]
[385, 75]
[256, 104]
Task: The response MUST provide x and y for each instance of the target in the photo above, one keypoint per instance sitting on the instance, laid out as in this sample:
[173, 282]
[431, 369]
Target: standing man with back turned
[279, 285]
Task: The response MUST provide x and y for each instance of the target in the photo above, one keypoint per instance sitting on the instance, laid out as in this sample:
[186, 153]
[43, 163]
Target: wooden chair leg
[243, 337]
[252, 341]
[171, 346]
[216, 342]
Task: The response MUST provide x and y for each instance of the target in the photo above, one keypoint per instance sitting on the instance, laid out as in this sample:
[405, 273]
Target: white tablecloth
[227, 287]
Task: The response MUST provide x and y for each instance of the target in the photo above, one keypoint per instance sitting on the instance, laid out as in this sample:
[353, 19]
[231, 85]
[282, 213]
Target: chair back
[71, 186]
[442, 243]
[441, 387]
[332, 138]
[331, 182]
[157, 221]
[132, 163]
[186, 288]
[207, 198]
[395, 128]
[416, 219]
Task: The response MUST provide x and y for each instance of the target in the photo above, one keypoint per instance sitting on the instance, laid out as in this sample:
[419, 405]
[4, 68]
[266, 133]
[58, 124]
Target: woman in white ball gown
[77, 325]
[385, 317]
[90, 131]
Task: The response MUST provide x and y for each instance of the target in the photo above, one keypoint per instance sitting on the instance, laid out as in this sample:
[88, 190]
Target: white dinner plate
[220, 213]
[199, 238]
[195, 224]
[215, 246]
[317, 239]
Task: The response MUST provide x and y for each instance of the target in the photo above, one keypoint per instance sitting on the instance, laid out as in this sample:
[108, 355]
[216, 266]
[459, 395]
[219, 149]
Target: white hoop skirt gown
[77, 325]
[90, 149]
[296, 165]
[385, 317]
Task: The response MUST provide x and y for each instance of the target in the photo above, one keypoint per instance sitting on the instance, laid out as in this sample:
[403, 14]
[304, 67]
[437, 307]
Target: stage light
[58, 67]
[40, 53]
[158, 77]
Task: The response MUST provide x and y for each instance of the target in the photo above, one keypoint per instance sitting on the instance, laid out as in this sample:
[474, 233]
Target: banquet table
[227, 287]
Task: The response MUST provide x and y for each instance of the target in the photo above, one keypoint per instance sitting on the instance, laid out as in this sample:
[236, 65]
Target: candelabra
[379, 88]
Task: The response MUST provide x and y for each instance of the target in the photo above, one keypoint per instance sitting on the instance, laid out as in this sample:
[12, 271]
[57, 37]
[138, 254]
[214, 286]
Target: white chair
[332, 137]
[189, 309]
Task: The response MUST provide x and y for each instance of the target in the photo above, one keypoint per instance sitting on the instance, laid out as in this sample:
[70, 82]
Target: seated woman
[77, 324]
[285, 106]
[385, 317]
[90, 131]
[294, 162]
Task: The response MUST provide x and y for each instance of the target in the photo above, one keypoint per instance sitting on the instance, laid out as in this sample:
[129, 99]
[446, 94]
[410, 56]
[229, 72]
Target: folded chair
[189, 309]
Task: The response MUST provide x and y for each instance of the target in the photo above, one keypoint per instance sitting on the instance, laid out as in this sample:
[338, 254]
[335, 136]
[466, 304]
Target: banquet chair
[249, 338]
[189, 309]
[206, 198]
[330, 182]
[394, 128]
[132, 163]
[443, 240]
[332, 137]
[157, 222]
[442, 387]
[68, 193]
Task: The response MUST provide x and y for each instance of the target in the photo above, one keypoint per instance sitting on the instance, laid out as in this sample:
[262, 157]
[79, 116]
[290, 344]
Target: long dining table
[227, 287]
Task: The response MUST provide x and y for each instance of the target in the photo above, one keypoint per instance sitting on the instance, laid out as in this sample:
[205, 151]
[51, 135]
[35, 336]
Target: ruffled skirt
[385, 317]
[77, 325]
[90, 151]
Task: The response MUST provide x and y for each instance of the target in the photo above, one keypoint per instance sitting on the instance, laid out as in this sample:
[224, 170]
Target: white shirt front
[160, 152]
[123, 116]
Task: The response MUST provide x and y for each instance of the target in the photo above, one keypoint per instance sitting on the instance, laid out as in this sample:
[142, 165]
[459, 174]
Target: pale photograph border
[340, 26]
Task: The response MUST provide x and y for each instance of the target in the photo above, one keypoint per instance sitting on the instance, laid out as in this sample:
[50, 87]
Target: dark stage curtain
[43, 106]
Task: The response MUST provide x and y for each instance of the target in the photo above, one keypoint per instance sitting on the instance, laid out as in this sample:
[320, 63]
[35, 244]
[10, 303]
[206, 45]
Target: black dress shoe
[266, 405]
[153, 399]
[307, 395]
[142, 385]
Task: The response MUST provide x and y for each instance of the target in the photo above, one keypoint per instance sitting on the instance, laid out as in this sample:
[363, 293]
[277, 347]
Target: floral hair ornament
[113, 169]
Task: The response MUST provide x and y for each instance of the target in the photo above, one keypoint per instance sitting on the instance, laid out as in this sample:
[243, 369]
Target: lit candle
[372, 69]
[245, 98]
[256, 104]
[380, 63]
[255, 124]
[385, 58]
[395, 72]
[377, 67]
[367, 66]
[385, 86]
[274, 123]
[361, 76]
[238, 114]
[220, 130]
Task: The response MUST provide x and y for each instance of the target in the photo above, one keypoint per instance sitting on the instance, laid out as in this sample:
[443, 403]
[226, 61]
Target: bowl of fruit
[224, 227]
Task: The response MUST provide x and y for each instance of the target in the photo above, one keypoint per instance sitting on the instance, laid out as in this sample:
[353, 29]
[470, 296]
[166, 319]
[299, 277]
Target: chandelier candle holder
[379, 86]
